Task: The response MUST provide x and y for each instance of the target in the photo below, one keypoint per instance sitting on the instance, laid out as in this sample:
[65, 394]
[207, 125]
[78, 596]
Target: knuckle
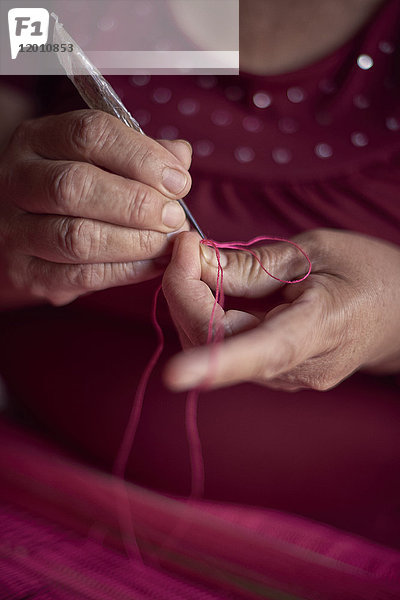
[323, 385]
[142, 156]
[21, 134]
[86, 277]
[149, 243]
[314, 377]
[198, 333]
[78, 239]
[70, 185]
[89, 129]
[139, 205]
[36, 279]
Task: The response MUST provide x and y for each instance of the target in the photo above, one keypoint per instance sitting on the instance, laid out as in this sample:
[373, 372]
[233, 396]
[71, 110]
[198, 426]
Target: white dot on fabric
[203, 148]
[365, 62]
[288, 125]
[234, 93]
[139, 80]
[252, 124]
[359, 139]
[295, 94]
[327, 86]
[207, 81]
[107, 23]
[168, 132]
[162, 95]
[262, 99]
[188, 106]
[244, 154]
[386, 47]
[221, 117]
[142, 116]
[360, 101]
[323, 150]
[281, 156]
[392, 123]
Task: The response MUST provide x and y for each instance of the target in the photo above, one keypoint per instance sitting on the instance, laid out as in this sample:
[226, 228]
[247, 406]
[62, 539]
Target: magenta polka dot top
[275, 156]
[285, 153]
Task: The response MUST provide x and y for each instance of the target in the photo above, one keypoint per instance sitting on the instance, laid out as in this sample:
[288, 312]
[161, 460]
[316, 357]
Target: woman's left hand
[345, 316]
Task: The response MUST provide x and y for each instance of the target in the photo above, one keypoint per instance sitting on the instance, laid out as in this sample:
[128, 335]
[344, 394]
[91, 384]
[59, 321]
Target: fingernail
[173, 215]
[187, 144]
[173, 180]
[210, 256]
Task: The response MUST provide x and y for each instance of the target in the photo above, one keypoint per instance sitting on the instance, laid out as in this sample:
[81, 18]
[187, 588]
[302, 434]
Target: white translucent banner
[125, 37]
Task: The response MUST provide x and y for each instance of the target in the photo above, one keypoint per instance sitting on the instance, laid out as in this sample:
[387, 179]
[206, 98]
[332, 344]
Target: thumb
[254, 271]
[179, 148]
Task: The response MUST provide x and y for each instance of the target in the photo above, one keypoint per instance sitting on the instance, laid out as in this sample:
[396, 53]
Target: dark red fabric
[239, 551]
[324, 151]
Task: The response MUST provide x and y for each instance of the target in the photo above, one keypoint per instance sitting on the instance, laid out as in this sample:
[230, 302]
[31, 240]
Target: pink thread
[136, 410]
[128, 438]
[213, 338]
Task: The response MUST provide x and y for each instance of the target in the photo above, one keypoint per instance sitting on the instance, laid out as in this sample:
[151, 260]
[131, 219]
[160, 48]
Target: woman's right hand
[85, 204]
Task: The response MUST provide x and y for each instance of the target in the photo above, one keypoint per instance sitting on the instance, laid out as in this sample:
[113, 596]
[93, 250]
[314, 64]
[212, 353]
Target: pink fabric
[324, 151]
[257, 553]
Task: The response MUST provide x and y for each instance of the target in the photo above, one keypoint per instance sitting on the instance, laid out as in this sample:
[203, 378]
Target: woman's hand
[345, 316]
[85, 204]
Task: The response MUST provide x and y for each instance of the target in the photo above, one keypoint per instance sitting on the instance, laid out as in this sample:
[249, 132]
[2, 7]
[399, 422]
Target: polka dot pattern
[162, 95]
[244, 154]
[365, 62]
[323, 150]
[143, 116]
[296, 94]
[221, 117]
[252, 124]
[203, 148]
[327, 86]
[288, 125]
[386, 47]
[168, 132]
[361, 101]
[281, 156]
[359, 139]
[262, 100]
[188, 106]
[272, 126]
[392, 123]
[140, 80]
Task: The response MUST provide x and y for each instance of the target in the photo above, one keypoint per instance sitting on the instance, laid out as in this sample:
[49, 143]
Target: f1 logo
[27, 25]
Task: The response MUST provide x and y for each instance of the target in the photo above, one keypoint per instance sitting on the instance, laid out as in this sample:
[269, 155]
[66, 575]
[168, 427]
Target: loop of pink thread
[261, 238]
[213, 338]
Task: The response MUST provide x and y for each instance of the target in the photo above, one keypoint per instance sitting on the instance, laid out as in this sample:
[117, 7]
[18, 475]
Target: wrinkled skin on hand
[86, 204]
[344, 317]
